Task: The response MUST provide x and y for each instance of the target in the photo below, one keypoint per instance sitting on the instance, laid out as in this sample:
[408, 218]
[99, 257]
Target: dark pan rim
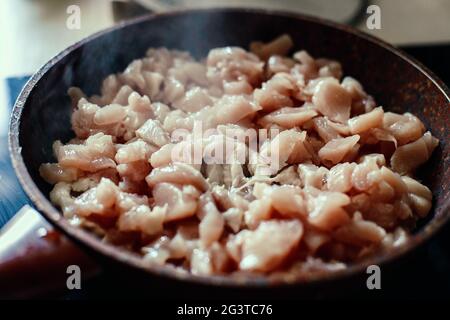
[88, 239]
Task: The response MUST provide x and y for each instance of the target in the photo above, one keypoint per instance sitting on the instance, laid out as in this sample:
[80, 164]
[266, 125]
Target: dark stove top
[427, 274]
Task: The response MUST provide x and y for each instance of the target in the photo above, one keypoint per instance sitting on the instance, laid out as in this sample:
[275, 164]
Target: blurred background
[32, 31]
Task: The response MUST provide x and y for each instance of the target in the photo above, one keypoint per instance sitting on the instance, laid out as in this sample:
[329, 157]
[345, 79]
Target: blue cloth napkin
[12, 196]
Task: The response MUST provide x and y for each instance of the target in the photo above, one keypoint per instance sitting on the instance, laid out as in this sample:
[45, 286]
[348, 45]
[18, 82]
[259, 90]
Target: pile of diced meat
[344, 188]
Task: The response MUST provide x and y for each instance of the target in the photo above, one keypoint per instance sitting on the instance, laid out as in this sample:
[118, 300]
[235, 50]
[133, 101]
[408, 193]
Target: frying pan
[398, 82]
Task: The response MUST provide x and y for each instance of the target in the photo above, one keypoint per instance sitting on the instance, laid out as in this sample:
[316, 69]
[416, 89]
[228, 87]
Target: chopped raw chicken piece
[98, 200]
[405, 128]
[332, 100]
[361, 176]
[275, 93]
[237, 87]
[122, 95]
[212, 222]
[288, 176]
[307, 67]
[280, 46]
[258, 210]
[184, 241]
[233, 218]
[134, 151]
[54, 173]
[289, 117]
[419, 195]
[157, 252]
[312, 175]
[177, 173]
[181, 202]
[135, 171]
[94, 154]
[360, 232]
[408, 157]
[325, 130]
[60, 196]
[366, 121]
[277, 64]
[314, 239]
[160, 110]
[83, 118]
[231, 109]
[209, 261]
[287, 147]
[327, 212]
[288, 201]
[335, 150]
[109, 114]
[231, 64]
[265, 248]
[339, 178]
[143, 219]
[152, 132]
[163, 156]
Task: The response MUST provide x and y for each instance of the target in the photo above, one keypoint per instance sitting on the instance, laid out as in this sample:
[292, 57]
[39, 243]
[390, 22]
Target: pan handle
[34, 257]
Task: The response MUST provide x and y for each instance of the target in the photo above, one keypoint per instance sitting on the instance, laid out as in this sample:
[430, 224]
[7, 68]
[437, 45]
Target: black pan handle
[34, 257]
